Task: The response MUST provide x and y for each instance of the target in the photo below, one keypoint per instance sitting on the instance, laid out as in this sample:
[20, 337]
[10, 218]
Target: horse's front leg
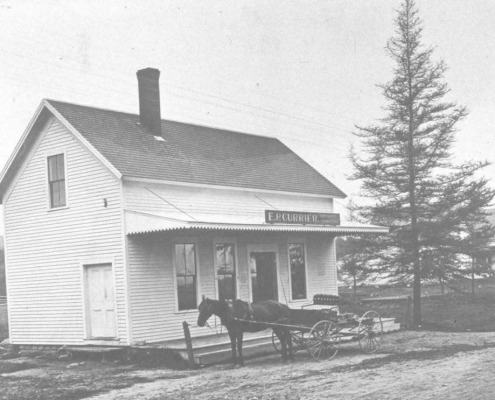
[233, 345]
[240, 336]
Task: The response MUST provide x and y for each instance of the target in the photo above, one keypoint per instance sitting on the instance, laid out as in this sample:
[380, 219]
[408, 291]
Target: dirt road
[410, 365]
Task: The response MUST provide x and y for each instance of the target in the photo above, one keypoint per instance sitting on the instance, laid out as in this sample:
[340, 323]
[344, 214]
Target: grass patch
[454, 311]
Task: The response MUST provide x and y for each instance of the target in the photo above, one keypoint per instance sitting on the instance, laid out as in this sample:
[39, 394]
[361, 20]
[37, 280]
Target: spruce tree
[406, 166]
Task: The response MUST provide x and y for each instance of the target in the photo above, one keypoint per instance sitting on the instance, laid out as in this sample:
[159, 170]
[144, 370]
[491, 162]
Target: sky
[303, 71]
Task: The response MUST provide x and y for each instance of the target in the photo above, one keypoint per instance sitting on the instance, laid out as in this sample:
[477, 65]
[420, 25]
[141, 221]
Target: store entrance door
[263, 271]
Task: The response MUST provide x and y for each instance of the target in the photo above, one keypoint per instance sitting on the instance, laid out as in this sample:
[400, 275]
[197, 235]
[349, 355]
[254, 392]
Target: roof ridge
[68, 103]
[226, 130]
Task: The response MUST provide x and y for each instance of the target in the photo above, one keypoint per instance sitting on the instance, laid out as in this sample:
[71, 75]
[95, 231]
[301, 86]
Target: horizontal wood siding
[322, 268]
[45, 248]
[204, 203]
[152, 292]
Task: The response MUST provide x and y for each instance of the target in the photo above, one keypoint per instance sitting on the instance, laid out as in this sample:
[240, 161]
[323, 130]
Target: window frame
[216, 242]
[305, 247]
[48, 155]
[174, 269]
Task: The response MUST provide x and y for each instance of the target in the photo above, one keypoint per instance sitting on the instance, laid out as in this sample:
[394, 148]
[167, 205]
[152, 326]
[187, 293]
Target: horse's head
[206, 310]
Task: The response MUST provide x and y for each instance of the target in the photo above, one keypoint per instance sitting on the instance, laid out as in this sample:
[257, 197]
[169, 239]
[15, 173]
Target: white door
[100, 301]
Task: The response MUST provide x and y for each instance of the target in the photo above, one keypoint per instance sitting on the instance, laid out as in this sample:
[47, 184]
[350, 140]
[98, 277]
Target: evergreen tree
[406, 166]
[354, 261]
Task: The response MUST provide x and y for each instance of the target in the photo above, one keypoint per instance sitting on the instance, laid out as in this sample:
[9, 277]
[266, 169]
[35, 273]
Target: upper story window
[297, 260]
[56, 181]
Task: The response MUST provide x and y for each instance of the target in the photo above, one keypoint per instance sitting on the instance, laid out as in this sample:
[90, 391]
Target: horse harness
[247, 315]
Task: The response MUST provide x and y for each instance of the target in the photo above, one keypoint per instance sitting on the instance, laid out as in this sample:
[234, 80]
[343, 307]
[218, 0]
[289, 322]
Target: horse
[265, 311]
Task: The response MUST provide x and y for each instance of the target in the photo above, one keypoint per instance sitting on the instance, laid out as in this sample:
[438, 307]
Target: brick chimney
[149, 100]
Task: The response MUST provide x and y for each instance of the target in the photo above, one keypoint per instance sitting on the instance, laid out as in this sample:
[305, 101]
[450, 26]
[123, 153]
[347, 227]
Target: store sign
[301, 218]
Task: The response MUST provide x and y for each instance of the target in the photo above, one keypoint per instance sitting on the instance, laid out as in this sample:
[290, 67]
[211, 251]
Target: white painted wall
[45, 248]
[152, 292]
[217, 205]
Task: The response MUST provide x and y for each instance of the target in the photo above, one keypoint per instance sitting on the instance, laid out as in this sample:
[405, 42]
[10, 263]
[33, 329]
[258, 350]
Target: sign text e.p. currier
[301, 218]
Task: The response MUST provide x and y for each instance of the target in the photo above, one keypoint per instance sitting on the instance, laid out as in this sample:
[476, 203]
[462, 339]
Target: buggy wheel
[370, 331]
[323, 341]
[297, 341]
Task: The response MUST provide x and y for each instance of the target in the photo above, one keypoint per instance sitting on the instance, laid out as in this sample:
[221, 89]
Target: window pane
[229, 259]
[186, 290]
[52, 169]
[297, 270]
[180, 261]
[61, 193]
[220, 255]
[190, 259]
[181, 292]
[54, 193]
[60, 167]
[225, 268]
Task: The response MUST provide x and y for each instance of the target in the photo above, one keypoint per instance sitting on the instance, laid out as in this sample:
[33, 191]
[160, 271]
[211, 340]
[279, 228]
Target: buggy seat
[329, 302]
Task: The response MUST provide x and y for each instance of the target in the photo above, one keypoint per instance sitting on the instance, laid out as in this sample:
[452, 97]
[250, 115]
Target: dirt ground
[409, 365]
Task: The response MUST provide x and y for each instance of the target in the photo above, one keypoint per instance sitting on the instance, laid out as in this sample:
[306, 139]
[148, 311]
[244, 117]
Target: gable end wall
[46, 248]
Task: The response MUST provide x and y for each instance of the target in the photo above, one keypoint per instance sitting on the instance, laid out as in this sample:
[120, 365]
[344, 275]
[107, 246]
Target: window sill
[58, 208]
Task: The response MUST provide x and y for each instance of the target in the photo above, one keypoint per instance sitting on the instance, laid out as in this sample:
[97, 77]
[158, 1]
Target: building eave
[138, 223]
[224, 187]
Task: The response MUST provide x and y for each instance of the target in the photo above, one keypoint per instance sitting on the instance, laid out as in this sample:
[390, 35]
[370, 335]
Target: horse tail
[285, 310]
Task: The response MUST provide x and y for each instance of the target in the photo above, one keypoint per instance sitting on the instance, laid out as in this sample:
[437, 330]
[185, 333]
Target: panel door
[264, 275]
[100, 301]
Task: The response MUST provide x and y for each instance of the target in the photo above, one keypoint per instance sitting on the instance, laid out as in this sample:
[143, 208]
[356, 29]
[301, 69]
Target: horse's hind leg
[283, 342]
[290, 344]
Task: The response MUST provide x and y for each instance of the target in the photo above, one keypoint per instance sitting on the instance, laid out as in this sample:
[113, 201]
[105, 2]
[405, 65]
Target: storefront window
[297, 271]
[225, 268]
[185, 269]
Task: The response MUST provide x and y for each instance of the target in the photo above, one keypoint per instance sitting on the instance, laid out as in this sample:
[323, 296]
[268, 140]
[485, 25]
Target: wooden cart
[322, 333]
[319, 328]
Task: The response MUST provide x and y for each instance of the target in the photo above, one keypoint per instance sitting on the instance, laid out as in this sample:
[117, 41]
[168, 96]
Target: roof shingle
[194, 154]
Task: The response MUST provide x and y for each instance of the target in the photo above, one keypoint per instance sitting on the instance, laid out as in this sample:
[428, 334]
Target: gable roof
[193, 153]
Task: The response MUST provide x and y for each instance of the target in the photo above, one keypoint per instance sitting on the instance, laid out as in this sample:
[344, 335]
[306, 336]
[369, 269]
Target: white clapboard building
[117, 224]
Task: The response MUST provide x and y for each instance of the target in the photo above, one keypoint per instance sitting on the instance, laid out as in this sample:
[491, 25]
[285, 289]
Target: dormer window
[56, 181]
